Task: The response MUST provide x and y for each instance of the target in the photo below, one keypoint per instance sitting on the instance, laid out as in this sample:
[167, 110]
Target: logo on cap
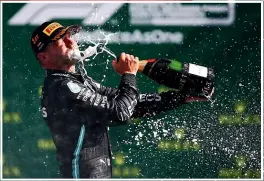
[35, 39]
[51, 28]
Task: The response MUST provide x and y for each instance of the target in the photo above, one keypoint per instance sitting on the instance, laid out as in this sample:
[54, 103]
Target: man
[78, 110]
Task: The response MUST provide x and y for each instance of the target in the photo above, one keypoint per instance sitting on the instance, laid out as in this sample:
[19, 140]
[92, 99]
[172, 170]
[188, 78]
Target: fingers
[114, 62]
[127, 57]
[195, 99]
[122, 56]
[126, 64]
[211, 94]
[130, 57]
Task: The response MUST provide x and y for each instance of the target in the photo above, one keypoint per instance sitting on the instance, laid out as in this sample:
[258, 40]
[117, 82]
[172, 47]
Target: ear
[43, 58]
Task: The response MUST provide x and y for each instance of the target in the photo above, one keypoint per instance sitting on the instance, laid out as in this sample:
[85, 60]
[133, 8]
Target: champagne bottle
[192, 78]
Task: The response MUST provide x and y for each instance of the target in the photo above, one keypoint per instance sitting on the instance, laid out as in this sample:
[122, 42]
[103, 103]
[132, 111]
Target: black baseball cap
[50, 32]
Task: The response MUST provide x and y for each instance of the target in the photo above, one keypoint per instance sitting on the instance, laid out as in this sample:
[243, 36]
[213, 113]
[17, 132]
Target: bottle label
[198, 70]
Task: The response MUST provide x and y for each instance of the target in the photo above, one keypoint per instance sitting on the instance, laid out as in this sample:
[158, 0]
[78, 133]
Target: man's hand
[199, 98]
[126, 64]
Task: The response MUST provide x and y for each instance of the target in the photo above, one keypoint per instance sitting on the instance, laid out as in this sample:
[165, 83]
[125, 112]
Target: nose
[69, 42]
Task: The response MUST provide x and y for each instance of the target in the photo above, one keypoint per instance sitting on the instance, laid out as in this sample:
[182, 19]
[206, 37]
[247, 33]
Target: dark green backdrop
[198, 140]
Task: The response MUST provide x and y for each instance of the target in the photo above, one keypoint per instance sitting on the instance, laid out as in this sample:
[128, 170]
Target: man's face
[58, 53]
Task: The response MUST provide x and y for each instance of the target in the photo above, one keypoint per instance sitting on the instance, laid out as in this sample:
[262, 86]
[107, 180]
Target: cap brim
[73, 29]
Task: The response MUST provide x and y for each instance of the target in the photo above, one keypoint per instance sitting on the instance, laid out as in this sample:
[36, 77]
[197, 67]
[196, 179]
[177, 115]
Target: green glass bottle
[192, 78]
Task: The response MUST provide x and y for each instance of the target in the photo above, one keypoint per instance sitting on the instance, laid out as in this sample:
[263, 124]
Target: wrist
[128, 72]
[128, 78]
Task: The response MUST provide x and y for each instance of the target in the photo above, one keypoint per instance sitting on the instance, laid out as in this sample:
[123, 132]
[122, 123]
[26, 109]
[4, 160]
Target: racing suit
[78, 112]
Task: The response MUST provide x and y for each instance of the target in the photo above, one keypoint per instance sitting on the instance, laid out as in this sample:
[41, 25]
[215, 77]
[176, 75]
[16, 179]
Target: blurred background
[198, 140]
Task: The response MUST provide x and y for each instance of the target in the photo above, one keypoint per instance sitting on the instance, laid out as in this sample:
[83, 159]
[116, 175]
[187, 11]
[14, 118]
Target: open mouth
[74, 55]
